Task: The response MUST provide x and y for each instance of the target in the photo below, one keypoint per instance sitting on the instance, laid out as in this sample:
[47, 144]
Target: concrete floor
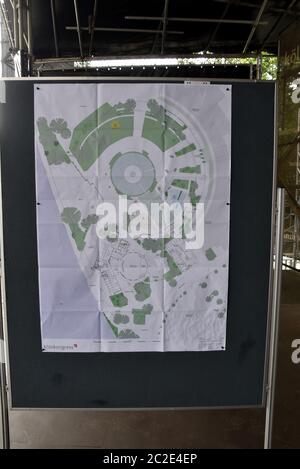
[179, 429]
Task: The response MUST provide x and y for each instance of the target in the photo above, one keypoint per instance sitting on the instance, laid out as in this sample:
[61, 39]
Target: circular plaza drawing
[132, 173]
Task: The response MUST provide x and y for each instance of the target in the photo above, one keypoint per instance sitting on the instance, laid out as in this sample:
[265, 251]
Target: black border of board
[234, 377]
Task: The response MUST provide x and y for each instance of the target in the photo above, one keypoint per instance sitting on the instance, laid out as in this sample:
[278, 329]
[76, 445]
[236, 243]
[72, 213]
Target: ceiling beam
[78, 27]
[70, 60]
[20, 22]
[6, 23]
[256, 6]
[279, 19]
[15, 23]
[54, 28]
[255, 24]
[123, 30]
[29, 25]
[213, 35]
[194, 20]
[156, 37]
[93, 21]
[164, 27]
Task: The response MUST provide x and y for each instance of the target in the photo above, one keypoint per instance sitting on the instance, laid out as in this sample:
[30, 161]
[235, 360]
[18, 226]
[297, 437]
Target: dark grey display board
[234, 377]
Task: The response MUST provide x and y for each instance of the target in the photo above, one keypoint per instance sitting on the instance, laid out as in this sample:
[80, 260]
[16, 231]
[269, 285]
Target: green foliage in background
[269, 63]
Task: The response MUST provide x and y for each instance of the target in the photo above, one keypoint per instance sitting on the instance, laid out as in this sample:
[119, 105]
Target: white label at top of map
[151, 143]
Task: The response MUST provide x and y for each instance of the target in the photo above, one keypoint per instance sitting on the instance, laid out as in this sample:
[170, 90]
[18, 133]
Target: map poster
[112, 161]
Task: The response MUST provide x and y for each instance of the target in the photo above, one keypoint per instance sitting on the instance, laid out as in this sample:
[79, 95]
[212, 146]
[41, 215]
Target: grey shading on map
[132, 173]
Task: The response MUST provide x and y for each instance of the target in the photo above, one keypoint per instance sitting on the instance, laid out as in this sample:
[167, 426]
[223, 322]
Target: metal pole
[213, 35]
[20, 15]
[154, 56]
[93, 27]
[256, 6]
[295, 250]
[15, 20]
[5, 20]
[121, 30]
[164, 28]
[29, 27]
[78, 27]
[54, 28]
[276, 293]
[259, 67]
[251, 72]
[3, 374]
[275, 25]
[255, 24]
[3, 395]
[194, 20]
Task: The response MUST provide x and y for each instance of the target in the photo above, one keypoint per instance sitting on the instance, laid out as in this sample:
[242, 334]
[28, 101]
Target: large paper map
[150, 143]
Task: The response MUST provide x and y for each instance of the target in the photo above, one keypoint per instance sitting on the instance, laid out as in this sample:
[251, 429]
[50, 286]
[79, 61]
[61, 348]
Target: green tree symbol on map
[88, 221]
[71, 216]
[60, 126]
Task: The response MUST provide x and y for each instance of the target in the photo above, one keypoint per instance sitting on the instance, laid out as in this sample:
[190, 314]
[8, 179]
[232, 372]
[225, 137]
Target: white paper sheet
[152, 143]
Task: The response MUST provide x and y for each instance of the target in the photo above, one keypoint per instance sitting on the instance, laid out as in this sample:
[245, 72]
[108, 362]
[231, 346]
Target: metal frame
[21, 17]
[274, 281]
[273, 346]
[281, 16]
[274, 290]
[78, 27]
[148, 56]
[193, 20]
[5, 393]
[122, 30]
[53, 16]
[256, 6]
[255, 25]
[164, 26]
[20, 22]
[6, 23]
[20, 35]
[144, 79]
[221, 20]
[92, 27]
[68, 62]
[272, 249]
[15, 21]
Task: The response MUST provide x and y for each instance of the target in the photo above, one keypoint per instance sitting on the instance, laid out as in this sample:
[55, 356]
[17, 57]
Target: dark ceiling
[181, 37]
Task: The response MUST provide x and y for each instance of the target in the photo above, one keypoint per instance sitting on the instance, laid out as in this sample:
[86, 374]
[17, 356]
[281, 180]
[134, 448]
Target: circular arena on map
[132, 173]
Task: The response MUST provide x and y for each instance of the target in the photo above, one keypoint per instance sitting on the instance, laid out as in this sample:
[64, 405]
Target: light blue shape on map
[132, 173]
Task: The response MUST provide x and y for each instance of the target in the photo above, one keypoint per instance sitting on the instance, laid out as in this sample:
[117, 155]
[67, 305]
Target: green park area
[180, 183]
[143, 290]
[186, 150]
[160, 128]
[119, 300]
[173, 272]
[156, 245]
[72, 216]
[195, 199]
[100, 139]
[54, 152]
[139, 315]
[191, 169]
[100, 129]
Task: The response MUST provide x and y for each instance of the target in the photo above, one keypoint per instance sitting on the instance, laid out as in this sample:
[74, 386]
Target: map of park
[153, 294]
